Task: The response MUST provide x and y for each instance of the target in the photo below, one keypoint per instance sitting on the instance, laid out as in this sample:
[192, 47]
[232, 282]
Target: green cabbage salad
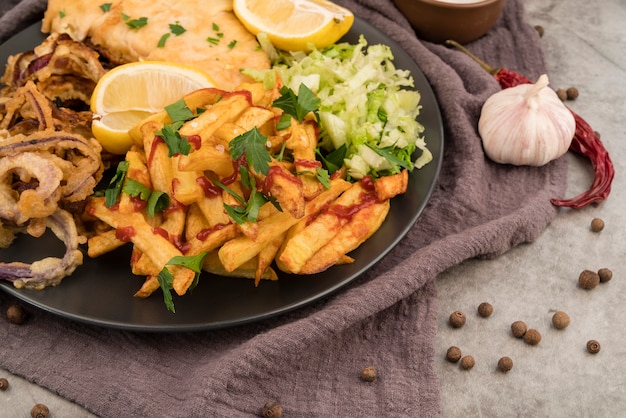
[368, 109]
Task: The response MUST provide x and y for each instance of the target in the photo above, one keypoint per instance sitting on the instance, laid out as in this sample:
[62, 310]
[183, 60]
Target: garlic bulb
[526, 125]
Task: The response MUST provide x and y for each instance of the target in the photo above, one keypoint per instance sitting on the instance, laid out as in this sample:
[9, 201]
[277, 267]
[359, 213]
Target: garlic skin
[526, 125]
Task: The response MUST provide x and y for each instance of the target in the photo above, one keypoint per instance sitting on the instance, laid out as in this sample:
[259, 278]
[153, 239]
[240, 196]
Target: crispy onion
[48, 271]
[37, 202]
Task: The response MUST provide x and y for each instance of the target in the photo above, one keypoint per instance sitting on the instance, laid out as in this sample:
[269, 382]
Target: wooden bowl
[460, 20]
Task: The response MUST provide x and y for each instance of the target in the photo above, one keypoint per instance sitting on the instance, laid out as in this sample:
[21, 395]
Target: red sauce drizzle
[271, 175]
[239, 162]
[368, 183]
[311, 164]
[178, 242]
[210, 189]
[195, 140]
[204, 234]
[138, 204]
[125, 233]
[157, 140]
[161, 231]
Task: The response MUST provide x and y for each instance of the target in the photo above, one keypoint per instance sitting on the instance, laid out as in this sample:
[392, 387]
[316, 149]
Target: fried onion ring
[48, 271]
[37, 202]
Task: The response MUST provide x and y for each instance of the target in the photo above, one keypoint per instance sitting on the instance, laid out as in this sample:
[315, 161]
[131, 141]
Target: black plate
[100, 292]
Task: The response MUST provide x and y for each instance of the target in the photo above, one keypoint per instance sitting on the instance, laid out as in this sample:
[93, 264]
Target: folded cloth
[309, 360]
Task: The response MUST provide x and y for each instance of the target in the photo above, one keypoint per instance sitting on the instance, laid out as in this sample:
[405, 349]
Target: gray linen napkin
[309, 360]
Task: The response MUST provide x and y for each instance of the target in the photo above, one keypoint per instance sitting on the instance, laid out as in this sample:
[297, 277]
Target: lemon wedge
[294, 24]
[129, 93]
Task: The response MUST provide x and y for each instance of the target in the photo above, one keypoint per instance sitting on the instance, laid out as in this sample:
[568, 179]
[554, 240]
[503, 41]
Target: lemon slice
[294, 24]
[132, 92]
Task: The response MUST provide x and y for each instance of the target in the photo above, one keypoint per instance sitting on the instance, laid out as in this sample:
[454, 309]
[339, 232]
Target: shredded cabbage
[366, 104]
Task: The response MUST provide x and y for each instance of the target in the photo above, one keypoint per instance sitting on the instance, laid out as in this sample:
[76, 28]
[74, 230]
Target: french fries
[301, 226]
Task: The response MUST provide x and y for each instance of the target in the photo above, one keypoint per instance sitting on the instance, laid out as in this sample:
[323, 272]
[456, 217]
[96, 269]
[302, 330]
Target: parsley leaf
[136, 23]
[334, 160]
[253, 144]
[157, 202]
[112, 193]
[163, 40]
[105, 7]
[177, 29]
[175, 143]
[179, 112]
[232, 44]
[166, 279]
[136, 189]
[396, 163]
[298, 106]
[323, 177]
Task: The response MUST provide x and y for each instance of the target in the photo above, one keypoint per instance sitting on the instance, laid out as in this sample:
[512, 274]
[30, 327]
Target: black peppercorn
[457, 319]
[560, 320]
[16, 314]
[532, 337]
[467, 362]
[597, 224]
[453, 354]
[39, 411]
[369, 374]
[272, 410]
[605, 275]
[593, 346]
[4, 384]
[485, 309]
[588, 279]
[518, 328]
[505, 364]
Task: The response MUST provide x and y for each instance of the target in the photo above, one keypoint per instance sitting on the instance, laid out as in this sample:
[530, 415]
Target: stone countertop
[584, 43]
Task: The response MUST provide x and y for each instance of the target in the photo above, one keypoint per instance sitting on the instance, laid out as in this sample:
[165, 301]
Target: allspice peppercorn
[467, 362]
[605, 275]
[453, 354]
[588, 279]
[369, 374]
[597, 224]
[593, 346]
[457, 319]
[540, 30]
[16, 314]
[561, 94]
[39, 411]
[532, 337]
[4, 384]
[572, 93]
[485, 309]
[505, 364]
[560, 320]
[272, 410]
[518, 328]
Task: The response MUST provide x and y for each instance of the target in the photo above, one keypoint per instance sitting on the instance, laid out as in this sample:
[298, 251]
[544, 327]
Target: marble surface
[584, 44]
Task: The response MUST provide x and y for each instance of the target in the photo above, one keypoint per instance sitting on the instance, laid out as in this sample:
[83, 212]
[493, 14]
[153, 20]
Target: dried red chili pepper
[586, 141]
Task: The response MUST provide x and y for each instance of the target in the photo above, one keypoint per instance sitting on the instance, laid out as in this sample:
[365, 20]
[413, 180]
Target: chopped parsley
[166, 279]
[135, 23]
[112, 193]
[297, 106]
[175, 29]
[232, 44]
[61, 14]
[157, 201]
[105, 7]
[179, 113]
[254, 144]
